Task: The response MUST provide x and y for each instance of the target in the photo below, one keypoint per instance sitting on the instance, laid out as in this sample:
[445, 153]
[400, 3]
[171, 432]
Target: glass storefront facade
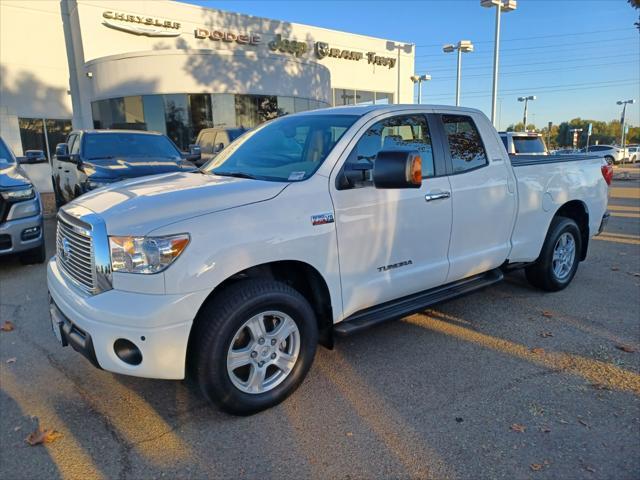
[344, 96]
[182, 116]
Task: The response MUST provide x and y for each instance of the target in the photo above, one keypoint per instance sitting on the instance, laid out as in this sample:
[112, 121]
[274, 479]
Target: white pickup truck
[312, 225]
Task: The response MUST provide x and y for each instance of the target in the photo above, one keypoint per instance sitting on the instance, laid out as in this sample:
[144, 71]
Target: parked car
[21, 227]
[611, 153]
[633, 152]
[569, 151]
[519, 143]
[315, 224]
[213, 140]
[91, 159]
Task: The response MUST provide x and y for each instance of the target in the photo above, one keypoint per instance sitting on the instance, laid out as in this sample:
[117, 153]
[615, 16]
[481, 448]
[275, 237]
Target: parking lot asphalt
[508, 382]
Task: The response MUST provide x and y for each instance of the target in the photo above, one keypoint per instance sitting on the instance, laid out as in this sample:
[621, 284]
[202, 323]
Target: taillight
[607, 173]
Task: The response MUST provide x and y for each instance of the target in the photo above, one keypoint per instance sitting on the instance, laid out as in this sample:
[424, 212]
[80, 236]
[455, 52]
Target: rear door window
[465, 144]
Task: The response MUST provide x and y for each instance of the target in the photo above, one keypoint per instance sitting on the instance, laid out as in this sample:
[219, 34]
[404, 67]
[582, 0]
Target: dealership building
[177, 68]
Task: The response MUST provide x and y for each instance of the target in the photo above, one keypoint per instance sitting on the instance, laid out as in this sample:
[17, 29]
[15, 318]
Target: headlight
[17, 195]
[145, 254]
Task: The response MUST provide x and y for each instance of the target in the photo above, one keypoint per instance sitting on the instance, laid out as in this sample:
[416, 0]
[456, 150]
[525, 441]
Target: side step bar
[414, 303]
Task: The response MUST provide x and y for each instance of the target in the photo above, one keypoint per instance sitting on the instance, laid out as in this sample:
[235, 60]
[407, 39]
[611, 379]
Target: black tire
[609, 159]
[541, 274]
[35, 255]
[219, 321]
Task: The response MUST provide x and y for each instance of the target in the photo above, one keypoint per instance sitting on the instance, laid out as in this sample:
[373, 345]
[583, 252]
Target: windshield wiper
[234, 174]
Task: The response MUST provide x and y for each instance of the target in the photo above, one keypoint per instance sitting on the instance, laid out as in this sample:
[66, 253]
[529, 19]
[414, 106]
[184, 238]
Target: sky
[578, 57]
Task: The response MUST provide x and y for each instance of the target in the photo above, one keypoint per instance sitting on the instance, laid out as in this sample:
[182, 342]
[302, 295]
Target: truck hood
[138, 206]
[120, 168]
[12, 177]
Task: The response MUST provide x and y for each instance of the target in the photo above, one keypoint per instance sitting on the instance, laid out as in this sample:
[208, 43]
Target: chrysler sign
[140, 25]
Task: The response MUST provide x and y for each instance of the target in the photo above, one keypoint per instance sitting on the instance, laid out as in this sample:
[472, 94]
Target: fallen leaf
[7, 326]
[517, 427]
[547, 313]
[349, 434]
[582, 422]
[11, 360]
[590, 469]
[564, 421]
[615, 269]
[38, 437]
[459, 419]
[536, 466]
[545, 430]
[634, 274]
[626, 348]
[546, 334]
[537, 350]
[15, 429]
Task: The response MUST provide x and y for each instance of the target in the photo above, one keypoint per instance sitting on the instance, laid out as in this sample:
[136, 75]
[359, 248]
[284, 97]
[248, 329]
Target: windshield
[528, 145]
[111, 145]
[235, 133]
[290, 148]
[5, 155]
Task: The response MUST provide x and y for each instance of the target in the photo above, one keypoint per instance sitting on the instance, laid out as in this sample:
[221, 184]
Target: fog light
[30, 233]
[127, 351]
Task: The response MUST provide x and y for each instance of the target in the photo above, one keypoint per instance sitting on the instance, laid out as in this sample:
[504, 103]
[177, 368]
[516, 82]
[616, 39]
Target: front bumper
[12, 238]
[158, 325]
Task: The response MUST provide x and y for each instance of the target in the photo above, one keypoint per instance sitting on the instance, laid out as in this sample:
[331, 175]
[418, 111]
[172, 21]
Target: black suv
[213, 140]
[95, 158]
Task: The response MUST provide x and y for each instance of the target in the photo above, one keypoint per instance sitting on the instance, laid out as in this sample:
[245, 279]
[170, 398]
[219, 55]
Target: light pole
[622, 119]
[419, 79]
[526, 103]
[500, 6]
[463, 46]
[407, 47]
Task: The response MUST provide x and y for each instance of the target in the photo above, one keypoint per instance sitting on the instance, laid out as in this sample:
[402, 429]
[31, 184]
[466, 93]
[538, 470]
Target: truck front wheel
[560, 256]
[254, 344]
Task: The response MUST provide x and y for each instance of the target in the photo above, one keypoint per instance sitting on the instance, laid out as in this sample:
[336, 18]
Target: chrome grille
[74, 249]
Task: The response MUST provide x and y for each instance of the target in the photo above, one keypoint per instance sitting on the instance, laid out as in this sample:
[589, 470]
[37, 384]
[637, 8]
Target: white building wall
[33, 65]
[38, 67]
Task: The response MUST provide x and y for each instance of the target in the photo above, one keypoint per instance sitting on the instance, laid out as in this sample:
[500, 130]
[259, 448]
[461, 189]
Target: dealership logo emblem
[146, 26]
[65, 251]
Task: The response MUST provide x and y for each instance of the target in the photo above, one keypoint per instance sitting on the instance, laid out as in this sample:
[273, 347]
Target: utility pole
[526, 102]
[622, 120]
[407, 47]
[463, 46]
[500, 6]
[419, 79]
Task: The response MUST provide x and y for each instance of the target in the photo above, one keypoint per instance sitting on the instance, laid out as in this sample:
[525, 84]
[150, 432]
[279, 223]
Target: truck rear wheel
[254, 344]
[558, 262]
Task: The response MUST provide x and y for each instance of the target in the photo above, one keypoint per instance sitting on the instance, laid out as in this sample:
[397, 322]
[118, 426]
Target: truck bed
[523, 160]
[544, 184]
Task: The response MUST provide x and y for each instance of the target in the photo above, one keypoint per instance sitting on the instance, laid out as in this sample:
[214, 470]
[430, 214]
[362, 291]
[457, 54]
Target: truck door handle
[430, 197]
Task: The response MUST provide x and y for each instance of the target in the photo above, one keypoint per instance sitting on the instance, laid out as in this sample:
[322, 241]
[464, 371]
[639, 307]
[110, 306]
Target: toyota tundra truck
[311, 226]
